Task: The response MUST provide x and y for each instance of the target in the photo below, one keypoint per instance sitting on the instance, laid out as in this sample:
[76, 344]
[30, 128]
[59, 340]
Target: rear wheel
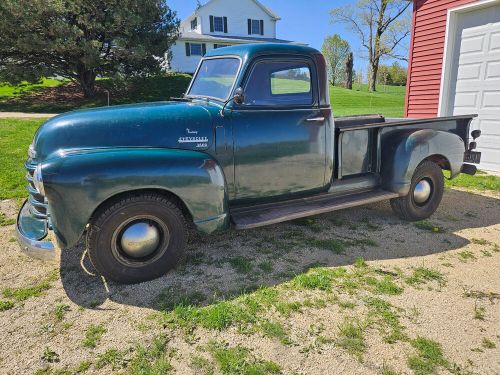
[425, 195]
[137, 238]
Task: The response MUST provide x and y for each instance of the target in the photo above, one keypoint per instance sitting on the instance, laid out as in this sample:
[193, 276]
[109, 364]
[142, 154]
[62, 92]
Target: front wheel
[424, 197]
[137, 238]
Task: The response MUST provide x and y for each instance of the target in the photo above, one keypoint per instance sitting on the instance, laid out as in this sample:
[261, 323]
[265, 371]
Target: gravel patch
[460, 310]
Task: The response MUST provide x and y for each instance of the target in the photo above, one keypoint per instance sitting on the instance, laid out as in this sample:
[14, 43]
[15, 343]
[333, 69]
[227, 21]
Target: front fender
[403, 150]
[77, 183]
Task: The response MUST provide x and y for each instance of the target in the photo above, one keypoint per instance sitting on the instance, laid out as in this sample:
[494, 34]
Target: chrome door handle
[316, 119]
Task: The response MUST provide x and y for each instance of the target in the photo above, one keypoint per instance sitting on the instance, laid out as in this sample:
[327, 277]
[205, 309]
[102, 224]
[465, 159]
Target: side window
[279, 83]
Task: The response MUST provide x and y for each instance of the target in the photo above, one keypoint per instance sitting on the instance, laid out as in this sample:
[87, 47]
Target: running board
[272, 213]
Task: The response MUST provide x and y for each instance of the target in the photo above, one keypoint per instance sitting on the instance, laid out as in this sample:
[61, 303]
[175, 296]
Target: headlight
[38, 179]
[32, 152]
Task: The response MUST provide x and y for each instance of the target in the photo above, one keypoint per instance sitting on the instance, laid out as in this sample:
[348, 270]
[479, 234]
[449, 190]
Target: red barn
[454, 66]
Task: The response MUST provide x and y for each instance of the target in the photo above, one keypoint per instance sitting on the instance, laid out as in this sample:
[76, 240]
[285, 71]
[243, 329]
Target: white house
[221, 23]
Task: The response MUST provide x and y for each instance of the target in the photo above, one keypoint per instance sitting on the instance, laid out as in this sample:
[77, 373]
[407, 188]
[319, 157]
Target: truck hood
[165, 125]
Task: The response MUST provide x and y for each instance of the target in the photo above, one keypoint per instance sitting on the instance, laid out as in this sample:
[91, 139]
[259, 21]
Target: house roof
[230, 38]
[267, 10]
[259, 4]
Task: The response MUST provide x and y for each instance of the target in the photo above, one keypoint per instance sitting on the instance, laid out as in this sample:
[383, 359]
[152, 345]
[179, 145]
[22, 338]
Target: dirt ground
[441, 280]
[25, 115]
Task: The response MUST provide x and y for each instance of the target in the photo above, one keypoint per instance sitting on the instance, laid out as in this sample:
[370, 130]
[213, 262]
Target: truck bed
[358, 139]
[458, 125]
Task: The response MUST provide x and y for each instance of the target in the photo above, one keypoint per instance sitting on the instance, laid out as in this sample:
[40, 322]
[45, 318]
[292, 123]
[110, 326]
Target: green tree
[382, 25]
[335, 49]
[394, 74]
[384, 76]
[399, 74]
[83, 39]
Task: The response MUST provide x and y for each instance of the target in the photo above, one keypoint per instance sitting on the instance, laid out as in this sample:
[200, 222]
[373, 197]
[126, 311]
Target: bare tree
[335, 49]
[382, 25]
[349, 65]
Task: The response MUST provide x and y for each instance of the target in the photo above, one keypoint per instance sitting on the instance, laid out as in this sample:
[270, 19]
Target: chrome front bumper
[31, 231]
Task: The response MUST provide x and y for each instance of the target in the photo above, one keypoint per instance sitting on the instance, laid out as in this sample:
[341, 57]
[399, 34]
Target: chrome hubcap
[140, 239]
[422, 192]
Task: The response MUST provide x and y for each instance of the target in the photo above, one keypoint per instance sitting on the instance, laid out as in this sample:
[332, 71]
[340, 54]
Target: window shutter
[188, 49]
[261, 27]
[249, 26]
[203, 49]
[211, 24]
[225, 25]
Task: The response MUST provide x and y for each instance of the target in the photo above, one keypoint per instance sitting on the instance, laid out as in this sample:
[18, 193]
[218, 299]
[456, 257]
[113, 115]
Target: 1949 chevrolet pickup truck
[253, 142]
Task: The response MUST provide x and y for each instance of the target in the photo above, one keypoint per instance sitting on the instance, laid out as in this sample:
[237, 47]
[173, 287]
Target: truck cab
[253, 142]
[277, 133]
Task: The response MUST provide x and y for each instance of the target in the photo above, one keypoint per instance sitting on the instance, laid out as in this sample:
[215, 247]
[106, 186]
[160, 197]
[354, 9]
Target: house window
[218, 24]
[220, 46]
[255, 27]
[196, 49]
[194, 24]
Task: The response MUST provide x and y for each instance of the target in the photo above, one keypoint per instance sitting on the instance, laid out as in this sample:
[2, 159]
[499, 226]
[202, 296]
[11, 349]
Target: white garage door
[476, 70]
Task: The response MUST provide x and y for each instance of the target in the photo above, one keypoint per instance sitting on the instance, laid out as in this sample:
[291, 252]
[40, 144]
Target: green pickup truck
[253, 142]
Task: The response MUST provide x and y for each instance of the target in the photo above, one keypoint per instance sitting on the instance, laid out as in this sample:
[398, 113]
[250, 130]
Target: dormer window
[194, 23]
[255, 27]
[218, 24]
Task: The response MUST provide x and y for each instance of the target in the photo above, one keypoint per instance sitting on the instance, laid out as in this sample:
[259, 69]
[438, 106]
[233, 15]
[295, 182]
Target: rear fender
[403, 150]
[77, 183]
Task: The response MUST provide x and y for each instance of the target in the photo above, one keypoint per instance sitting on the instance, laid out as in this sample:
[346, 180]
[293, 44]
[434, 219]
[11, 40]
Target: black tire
[104, 238]
[407, 208]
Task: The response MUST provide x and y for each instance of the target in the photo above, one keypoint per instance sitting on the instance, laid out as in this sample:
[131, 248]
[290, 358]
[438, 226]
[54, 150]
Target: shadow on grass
[67, 97]
[226, 265]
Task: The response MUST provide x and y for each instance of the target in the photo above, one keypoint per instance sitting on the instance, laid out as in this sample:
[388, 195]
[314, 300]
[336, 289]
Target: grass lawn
[15, 138]
[53, 96]
[388, 100]
[481, 181]
[8, 91]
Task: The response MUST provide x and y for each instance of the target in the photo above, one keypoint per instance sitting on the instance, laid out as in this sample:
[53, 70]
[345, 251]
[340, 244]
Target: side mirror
[239, 96]
[476, 134]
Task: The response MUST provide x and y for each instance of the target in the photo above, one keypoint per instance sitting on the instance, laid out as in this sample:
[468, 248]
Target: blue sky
[305, 21]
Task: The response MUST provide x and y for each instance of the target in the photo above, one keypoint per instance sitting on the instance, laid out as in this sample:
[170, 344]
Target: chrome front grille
[38, 204]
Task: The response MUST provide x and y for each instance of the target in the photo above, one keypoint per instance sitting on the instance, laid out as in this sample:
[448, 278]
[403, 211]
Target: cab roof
[248, 51]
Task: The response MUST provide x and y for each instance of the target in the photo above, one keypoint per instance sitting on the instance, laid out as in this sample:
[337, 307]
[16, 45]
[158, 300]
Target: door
[279, 132]
[476, 73]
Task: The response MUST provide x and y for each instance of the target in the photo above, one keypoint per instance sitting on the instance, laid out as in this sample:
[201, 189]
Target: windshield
[215, 78]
